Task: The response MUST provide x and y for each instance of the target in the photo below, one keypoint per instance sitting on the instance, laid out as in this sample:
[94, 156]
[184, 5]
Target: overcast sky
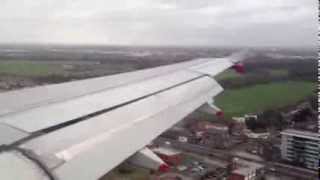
[160, 22]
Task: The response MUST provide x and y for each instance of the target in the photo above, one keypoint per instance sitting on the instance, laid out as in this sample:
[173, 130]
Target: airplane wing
[82, 129]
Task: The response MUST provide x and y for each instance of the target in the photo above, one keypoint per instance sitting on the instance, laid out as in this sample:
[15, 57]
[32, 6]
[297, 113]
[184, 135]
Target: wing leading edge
[98, 123]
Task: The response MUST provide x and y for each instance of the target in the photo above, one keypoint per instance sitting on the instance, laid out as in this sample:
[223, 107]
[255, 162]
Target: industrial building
[300, 147]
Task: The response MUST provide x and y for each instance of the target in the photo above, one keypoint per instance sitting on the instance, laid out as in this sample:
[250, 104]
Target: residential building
[301, 147]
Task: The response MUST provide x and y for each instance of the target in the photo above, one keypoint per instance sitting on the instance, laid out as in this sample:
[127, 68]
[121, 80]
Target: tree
[272, 118]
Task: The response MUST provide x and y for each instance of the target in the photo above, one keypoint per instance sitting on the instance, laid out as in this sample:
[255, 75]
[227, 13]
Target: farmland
[257, 98]
[29, 69]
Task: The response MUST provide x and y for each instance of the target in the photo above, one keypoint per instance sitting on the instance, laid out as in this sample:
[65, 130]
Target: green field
[279, 72]
[237, 102]
[232, 75]
[26, 68]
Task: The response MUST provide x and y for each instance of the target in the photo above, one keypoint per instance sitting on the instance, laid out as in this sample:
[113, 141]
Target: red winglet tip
[239, 68]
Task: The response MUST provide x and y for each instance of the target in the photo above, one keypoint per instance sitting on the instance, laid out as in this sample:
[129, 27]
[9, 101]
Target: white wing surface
[82, 129]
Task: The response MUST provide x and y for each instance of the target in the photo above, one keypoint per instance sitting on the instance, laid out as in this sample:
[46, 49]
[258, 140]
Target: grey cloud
[174, 22]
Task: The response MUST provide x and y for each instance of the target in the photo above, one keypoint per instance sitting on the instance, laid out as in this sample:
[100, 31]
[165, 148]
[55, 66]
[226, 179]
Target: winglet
[239, 68]
[237, 59]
